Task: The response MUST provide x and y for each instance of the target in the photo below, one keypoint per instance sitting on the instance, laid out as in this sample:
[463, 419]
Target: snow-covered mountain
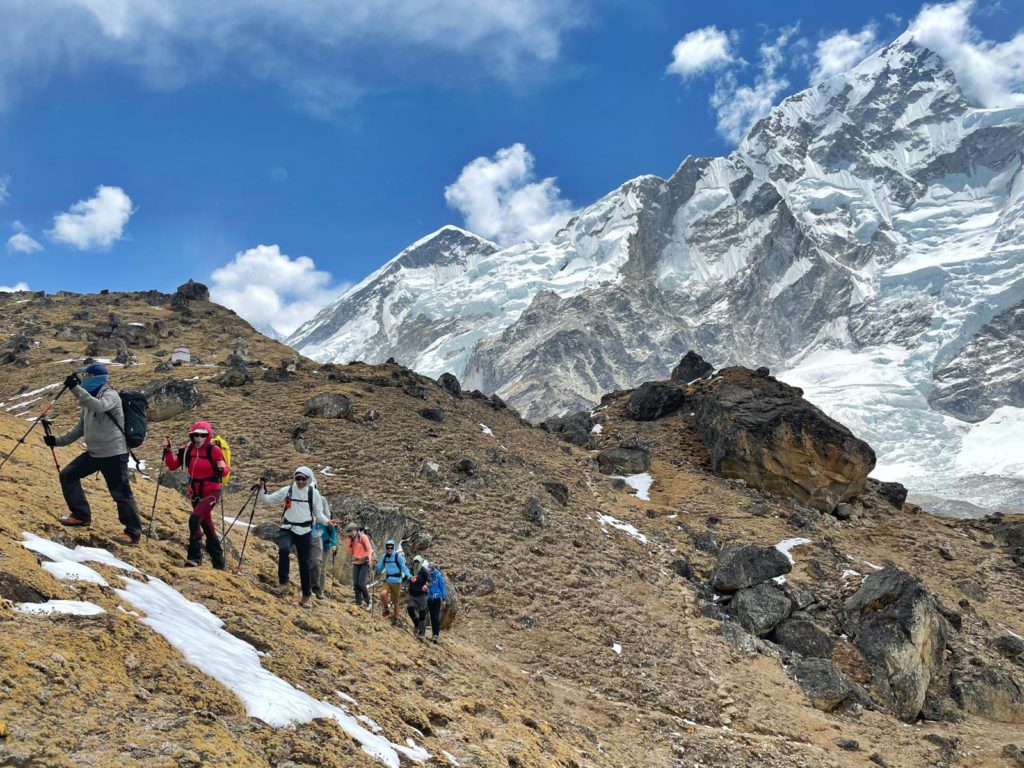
[866, 240]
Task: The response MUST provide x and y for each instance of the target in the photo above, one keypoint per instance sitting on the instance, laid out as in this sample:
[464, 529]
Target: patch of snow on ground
[849, 574]
[60, 553]
[872, 565]
[597, 429]
[69, 607]
[641, 484]
[39, 391]
[329, 471]
[616, 523]
[617, 648]
[24, 404]
[784, 547]
[450, 758]
[345, 697]
[64, 571]
[486, 430]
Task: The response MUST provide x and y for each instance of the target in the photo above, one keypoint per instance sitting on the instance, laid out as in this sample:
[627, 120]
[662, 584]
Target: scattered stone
[1012, 534]
[164, 366]
[430, 470]
[738, 638]
[706, 542]
[236, 376]
[896, 625]
[691, 367]
[574, 428]
[328, 405]
[169, 398]
[452, 496]
[370, 416]
[417, 390]
[823, 683]
[560, 491]
[450, 384]
[1013, 752]
[466, 466]
[804, 637]
[682, 567]
[484, 587]
[848, 744]
[745, 566]
[624, 461]
[947, 553]
[432, 414]
[843, 511]
[894, 493]
[652, 400]
[763, 432]
[535, 512]
[267, 531]
[1009, 646]
[761, 608]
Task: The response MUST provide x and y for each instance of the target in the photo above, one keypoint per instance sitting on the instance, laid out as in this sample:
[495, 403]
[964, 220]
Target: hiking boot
[73, 522]
[281, 589]
[218, 566]
[127, 539]
[305, 601]
[191, 563]
[435, 639]
[319, 595]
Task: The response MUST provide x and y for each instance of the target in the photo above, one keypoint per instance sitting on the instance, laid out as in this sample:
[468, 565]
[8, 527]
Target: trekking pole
[53, 451]
[39, 418]
[240, 513]
[223, 524]
[152, 513]
[245, 541]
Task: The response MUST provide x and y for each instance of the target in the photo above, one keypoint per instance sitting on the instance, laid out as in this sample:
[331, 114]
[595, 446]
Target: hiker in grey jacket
[101, 423]
[303, 508]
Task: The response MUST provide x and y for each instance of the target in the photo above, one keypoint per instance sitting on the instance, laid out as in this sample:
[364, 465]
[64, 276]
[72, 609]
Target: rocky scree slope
[864, 239]
[589, 630]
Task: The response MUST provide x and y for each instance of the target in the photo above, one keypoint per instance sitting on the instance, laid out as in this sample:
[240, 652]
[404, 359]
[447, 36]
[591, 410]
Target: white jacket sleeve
[321, 511]
[276, 497]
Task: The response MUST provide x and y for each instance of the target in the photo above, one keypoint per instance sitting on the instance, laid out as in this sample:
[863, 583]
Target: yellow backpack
[222, 443]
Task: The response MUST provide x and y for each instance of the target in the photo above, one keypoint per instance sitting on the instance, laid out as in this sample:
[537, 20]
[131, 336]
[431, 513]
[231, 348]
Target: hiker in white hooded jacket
[303, 508]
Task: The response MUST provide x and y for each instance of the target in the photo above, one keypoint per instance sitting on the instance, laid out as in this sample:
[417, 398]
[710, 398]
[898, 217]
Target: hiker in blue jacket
[395, 571]
[437, 594]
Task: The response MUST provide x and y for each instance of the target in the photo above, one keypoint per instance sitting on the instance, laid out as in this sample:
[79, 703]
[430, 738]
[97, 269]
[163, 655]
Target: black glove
[72, 381]
[50, 440]
[255, 487]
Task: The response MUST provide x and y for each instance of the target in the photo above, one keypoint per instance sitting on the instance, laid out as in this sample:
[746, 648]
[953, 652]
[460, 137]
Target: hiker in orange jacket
[206, 467]
[360, 547]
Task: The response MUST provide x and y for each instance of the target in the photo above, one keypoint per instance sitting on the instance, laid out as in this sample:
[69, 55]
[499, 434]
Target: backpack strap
[209, 457]
[120, 429]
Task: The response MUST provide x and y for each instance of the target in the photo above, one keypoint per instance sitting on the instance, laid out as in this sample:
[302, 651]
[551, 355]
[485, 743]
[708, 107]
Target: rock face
[652, 400]
[745, 566]
[236, 376]
[691, 367]
[193, 291]
[169, 398]
[574, 428]
[761, 608]
[624, 461]
[896, 625]
[763, 431]
[822, 681]
[450, 384]
[804, 637]
[990, 693]
[328, 405]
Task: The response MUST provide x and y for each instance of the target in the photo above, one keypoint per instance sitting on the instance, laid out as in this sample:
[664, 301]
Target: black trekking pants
[115, 473]
[418, 613]
[286, 540]
[359, 574]
[434, 604]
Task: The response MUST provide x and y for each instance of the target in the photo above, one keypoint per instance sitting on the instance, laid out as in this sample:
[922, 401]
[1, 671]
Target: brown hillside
[528, 675]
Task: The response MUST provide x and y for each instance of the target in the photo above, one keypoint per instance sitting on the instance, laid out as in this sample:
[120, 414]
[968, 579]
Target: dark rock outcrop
[192, 291]
[169, 398]
[761, 608]
[804, 637]
[897, 626]
[236, 376]
[328, 405]
[450, 384]
[432, 414]
[624, 461]
[824, 684]
[990, 693]
[574, 428]
[741, 567]
[653, 400]
[535, 512]
[763, 432]
[560, 491]
[691, 367]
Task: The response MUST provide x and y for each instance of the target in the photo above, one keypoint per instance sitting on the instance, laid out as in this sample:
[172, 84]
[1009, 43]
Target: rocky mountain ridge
[619, 603]
[864, 240]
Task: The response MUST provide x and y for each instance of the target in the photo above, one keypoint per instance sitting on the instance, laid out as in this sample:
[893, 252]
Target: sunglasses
[197, 434]
[301, 478]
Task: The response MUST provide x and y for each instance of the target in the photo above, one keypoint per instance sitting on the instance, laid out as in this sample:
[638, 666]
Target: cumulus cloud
[500, 199]
[990, 73]
[700, 51]
[272, 290]
[838, 53]
[315, 50]
[737, 106]
[14, 288]
[94, 223]
[20, 242]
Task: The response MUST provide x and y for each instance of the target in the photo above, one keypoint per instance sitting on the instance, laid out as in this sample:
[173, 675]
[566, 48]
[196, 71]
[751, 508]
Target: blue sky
[143, 143]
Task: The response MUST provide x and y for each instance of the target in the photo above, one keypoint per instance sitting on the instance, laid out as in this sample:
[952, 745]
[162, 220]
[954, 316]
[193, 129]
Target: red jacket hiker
[205, 466]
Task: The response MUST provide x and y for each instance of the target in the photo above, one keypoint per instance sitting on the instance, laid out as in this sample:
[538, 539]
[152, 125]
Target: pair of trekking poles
[253, 498]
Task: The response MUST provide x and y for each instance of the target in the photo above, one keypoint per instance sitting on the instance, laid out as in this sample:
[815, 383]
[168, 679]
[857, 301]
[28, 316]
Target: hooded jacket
[204, 464]
[393, 566]
[102, 436]
[438, 589]
[299, 513]
[420, 581]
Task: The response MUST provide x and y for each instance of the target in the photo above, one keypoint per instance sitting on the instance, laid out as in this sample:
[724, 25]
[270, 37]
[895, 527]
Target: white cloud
[23, 243]
[96, 222]
[700, 51]
[841, 51]
[499, 198]
[313, 49]
[14, 288]
[990, 73]
[270, 289]
[737, 106]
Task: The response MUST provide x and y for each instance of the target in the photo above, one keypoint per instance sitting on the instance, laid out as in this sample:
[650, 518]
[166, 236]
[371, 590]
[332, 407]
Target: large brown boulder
[763, 432]
[169, 398]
